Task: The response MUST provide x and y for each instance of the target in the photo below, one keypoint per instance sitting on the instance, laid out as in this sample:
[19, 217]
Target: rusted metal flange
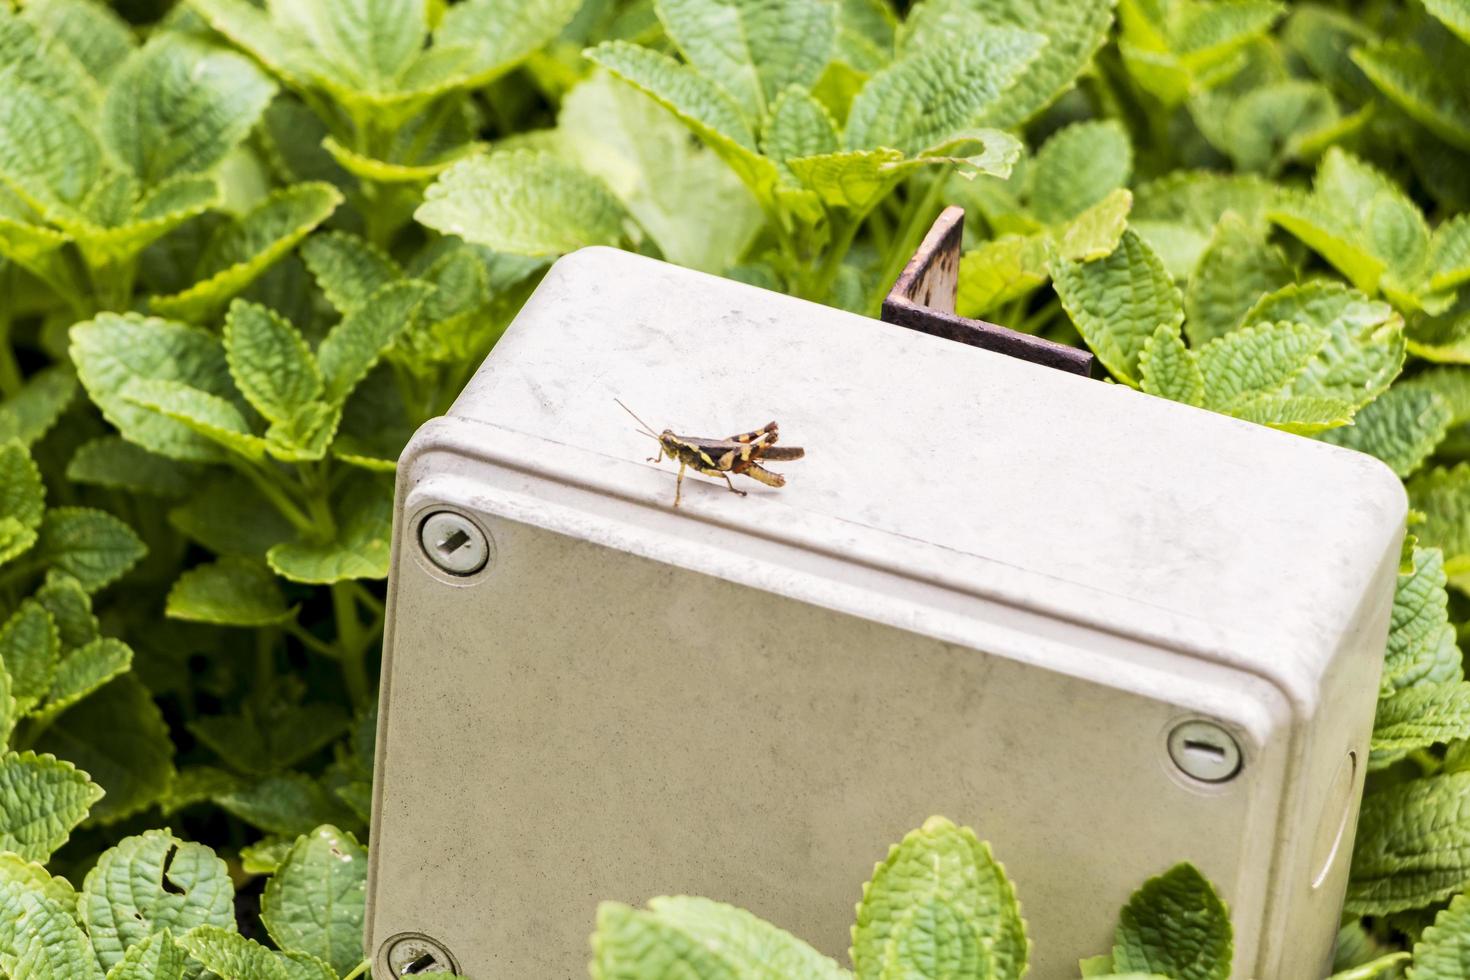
[924, 296]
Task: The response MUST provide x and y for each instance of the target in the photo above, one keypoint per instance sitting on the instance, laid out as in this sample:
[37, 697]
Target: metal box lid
[971, 470]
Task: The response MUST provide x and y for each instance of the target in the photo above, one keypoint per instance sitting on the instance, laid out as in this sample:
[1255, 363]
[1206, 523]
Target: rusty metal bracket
[924, 296]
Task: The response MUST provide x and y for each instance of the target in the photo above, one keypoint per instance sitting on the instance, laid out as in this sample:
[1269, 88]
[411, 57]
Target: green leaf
[41, 800]
[1175, 925]
[272, 736]
[1402, 427]
[1074, 29]
[91, 546]
[523, 202]
[159, 211]
[83, 671]
[151, 883]
[753, 50]
[860, 179]
[156, 958]
[929, 96]
[945, 865]
[1374, 969]
[1079, 166]
[270, 361]
[1417, 85]
[112, 461]
[349, 269]
[1096, 232]
[9, 708]
[681, 193]
[1443, 496]
[1365, 351]
[700, 104]
[179, 105]
[1199, 199]
[1177, 245]
[360, 548]
[370, 43]
[1304, 415]
[1421, 641]
[30, 649]
[1418, 717]
[1235, 270]
[1412, 846]
[31, 412]
[97, 38]
[265, 856]
[1001, 271]
[19, 875]
[119, 735]
[282, 50]
[70, 609]
[1118, 302]
[1257, 360]
[1328, 232]
[30, 57]
[683, 936]
[211, 416]
[22, 500]
[1443, 951]
[1364, 224]
[501, 34]
[48, 155]
[240, 251]
[355, 344]
[290, 803]
[112, 350]
[1169, 369]
[231, 518]
[306, 435]
[230, 954]
[1271, 124]
[314, 902]
[40, 938]
[1449, 253]
[228, 592]
[799, 126]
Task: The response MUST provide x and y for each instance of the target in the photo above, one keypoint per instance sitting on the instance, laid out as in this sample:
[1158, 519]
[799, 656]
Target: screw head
[413, 955]
[1205, 751]
[453, 543]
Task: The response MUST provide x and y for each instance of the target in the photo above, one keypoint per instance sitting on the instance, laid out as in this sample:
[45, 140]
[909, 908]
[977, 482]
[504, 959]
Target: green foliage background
[245, 249]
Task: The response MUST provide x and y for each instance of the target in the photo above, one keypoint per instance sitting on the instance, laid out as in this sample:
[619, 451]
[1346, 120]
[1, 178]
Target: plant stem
[353, 642]
[367, 598]
[820, 286]
[358, 971]
[310, 641]
[278, 497]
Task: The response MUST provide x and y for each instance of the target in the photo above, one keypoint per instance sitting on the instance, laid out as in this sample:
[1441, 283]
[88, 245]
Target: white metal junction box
[991, 590]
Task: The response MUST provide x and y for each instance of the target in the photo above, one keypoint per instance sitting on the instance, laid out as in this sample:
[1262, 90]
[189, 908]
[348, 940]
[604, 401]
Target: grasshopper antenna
[647, 429]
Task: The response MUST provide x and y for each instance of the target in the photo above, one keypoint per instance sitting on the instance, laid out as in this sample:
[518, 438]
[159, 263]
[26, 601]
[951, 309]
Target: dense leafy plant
[247, 247]
[939, 905]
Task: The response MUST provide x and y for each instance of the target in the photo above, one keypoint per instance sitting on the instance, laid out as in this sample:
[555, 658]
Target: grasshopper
[741, 454]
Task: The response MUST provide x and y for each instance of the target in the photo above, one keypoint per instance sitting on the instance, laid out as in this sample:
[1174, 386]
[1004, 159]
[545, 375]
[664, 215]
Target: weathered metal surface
[923, 299]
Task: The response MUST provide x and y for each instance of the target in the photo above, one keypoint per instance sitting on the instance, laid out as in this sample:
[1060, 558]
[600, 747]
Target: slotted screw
[1205, 751]
[453, 543]
[417, 956]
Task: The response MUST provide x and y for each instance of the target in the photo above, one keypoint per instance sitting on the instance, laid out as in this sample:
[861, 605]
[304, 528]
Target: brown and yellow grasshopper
[740, 454]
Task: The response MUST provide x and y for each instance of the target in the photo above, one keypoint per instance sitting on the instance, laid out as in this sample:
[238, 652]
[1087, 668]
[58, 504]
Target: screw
[414, 955]
[1204, 751]
[454, 543]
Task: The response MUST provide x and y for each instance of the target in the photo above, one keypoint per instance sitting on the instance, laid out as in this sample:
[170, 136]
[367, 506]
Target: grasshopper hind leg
[724, 476]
